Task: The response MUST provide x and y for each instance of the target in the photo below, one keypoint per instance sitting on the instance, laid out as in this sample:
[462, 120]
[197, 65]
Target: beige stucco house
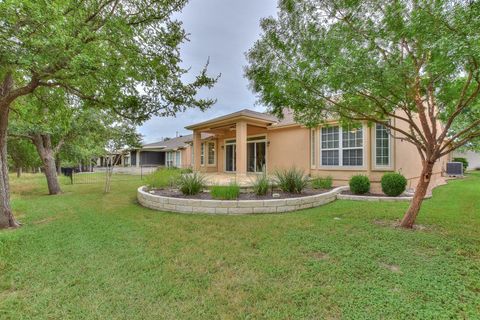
[248, 142]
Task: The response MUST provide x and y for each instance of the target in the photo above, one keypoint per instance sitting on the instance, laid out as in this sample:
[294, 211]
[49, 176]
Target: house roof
[246, 113]
[174, 143]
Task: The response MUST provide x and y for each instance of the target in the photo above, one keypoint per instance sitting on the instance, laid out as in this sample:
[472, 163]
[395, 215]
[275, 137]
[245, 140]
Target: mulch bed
[368, 194]
[173, 193]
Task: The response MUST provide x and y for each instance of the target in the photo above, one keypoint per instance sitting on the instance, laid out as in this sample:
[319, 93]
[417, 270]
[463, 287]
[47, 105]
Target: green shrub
[230, 192]
[187, 170]
[261, 185]
[322, 182]
[464, 161]
[393, 184]
[163, 178]
[191, 183]
[359, 184]
[292, 180]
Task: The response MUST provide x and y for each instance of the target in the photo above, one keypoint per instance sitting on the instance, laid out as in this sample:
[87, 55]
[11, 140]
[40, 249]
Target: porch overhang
[223, 122]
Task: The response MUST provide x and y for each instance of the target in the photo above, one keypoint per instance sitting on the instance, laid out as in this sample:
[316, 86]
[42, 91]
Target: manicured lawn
[85, 255]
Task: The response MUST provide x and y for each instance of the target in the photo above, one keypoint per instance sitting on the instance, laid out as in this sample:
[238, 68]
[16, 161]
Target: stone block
[240, 210]
[265, 210]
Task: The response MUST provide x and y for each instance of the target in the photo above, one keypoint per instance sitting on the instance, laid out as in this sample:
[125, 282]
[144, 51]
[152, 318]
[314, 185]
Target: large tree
[414, 61]
[23, 155]
[117, 54]
[54, 121]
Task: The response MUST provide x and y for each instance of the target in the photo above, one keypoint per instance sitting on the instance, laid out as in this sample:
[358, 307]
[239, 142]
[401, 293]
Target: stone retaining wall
[373, 198]
[182, 205]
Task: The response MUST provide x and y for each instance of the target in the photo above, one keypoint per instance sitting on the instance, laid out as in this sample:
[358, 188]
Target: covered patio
[232, 146]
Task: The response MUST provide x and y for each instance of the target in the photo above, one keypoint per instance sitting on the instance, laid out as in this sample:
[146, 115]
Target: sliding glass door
[230, 156]
[256, 154]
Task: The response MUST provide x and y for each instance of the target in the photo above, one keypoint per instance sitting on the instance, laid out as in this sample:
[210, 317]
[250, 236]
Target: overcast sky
[222, 30]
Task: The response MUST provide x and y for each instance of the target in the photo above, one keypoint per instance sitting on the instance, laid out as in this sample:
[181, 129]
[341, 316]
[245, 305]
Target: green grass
[86, 255]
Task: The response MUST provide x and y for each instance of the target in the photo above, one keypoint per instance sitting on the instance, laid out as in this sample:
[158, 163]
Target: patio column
[241, 159]
[137, 162]
[197, 142]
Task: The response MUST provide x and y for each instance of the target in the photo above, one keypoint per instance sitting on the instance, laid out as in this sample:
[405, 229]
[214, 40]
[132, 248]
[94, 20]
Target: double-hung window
[382, 146]
[330, 146]
[202, 154]
[352, 147]
[178, 159]
[170, 162]
[342, 146]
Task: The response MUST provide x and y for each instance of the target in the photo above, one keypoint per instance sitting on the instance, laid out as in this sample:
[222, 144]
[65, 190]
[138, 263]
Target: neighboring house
[117, 158]
[176, 152]
[250, 142]
[472, 157]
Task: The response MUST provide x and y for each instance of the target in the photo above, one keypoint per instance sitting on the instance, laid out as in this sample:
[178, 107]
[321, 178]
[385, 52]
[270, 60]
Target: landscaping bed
[367, 194]
[206, 195]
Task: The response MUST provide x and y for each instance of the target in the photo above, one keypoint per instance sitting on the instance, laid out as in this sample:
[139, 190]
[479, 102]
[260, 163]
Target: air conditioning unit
[455, 169]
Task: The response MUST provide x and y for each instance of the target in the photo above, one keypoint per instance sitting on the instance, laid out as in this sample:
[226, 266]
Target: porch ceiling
[222, 128]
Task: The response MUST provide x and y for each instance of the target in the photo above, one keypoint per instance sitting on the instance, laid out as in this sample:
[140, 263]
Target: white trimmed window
[202, 154]
[382, 146]
[178, 159]
[169, 160]
[313, 142]
[352, 145]
[211, 152]
[330, 146]
[342, 146]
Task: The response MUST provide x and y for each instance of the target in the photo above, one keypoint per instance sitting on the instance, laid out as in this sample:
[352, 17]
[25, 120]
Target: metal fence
[99, 174]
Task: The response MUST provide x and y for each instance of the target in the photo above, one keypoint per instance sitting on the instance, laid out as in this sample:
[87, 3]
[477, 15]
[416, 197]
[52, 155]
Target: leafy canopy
[122, 55]
[366, 60]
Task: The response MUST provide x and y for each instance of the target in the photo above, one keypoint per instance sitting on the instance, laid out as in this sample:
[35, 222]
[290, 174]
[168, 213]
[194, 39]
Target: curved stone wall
[182, 205]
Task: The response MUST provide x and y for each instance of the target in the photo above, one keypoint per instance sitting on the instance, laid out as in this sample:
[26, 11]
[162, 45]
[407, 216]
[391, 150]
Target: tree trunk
[19, 172]
[6, 216]
[410, 216]
[43, 145]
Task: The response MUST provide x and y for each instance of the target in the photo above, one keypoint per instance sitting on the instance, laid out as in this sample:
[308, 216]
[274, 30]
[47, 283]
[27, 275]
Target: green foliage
[322, 182]
[187, 170]
[393, 184]
[191, 183]
[102, 53]
[464, 162]
[23, 154]
[261, 184]
[366, 59]
[163, 178]
[74, 133]
[291, 180]
[230, 192]
[359, 184]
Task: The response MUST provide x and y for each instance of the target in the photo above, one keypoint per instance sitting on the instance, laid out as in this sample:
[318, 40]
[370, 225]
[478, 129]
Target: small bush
[393, 184]
[191, 184]
[359, 184]
[187, 170]
[322, 182]
[292, 180]
[163, 178]
[464, 161]
[230, 192]
[261, 185]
